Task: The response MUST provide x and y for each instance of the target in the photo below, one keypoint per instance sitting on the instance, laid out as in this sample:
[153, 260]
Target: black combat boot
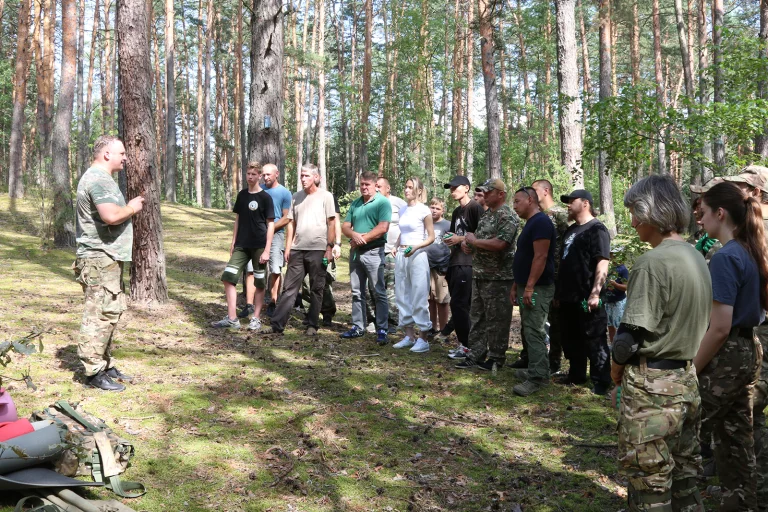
[102, 381]
[114, 373]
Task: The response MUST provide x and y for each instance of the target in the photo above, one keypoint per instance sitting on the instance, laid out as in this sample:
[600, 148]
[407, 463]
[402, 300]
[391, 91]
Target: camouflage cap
[492, 184]
[700, 189]
[753, 175]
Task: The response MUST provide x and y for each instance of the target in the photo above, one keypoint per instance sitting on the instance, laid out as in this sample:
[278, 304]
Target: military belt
[658, 364]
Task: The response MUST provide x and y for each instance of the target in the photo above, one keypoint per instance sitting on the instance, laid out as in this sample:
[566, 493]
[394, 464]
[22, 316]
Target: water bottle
[7, 407]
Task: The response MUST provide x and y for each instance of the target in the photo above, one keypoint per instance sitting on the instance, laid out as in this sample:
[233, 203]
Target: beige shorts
[438, 288]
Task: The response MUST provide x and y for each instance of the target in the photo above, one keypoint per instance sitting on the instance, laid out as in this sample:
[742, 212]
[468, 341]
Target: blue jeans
[362, 267]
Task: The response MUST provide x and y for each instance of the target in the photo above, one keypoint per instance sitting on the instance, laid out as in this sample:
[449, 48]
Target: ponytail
[746, 214]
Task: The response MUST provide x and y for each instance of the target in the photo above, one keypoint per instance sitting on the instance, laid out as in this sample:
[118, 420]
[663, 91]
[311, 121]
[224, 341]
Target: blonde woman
[412, 267]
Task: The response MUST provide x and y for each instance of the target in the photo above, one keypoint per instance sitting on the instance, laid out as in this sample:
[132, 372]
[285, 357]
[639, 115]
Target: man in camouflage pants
[493, 248]
[104, 244]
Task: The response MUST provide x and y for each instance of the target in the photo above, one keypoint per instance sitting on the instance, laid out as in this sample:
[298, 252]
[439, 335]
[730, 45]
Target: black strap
[659, 364]
[743, 332]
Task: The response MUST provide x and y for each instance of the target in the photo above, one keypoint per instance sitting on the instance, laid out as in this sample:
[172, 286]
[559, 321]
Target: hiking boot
[311, 331]
[420, 346]
[269, 331]
[354, 332]
[371, 328]
[404, 343]
[271, 309]
[114, 373]
[567, 381]
[381, 337]
[520, 363]
[459, 353]
[489, 365]
[102, 381]
[466, 364]
[226, 323]
[522, 374]
[528, 387]
[600, 389]
[328, 321]
[246, 311]
[254, 324]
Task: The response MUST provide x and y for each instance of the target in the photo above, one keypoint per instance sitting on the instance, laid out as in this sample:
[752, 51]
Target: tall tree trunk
[338, 28]
[717, 45]
[310, 96]
[568, 88]
[687, 76]
[266, 143]
[484, 12]
[706, 172]
[457, 117]
[85, 139]
[634, 59]
[366, 98]
[79, 154]
[606, 91]
[108, 98]
[159, 104]
[50, 37]
[614, 36]
[661, 148]
[586, 74]
[761, 141]
[470, 47]
[170, 104]
[206, 170]
[21, 72]
[299, 94]
[63, 215]
[547, 129]
[200, 140]
[241, 99]
[321, 95]
[148, 282]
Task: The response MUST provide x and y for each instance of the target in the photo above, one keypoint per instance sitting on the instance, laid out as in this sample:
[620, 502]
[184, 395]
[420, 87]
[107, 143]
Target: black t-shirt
[582, 248]
[538, 227]
[464, 220]
[253, 210]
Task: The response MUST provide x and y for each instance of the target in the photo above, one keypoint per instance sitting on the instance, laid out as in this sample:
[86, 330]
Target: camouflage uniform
[101, 251]
[658, 443]
[760, 402]
[491, 312]
[727, 387]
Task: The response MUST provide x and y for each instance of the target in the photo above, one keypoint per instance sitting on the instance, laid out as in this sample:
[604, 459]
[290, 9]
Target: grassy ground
[227, 421]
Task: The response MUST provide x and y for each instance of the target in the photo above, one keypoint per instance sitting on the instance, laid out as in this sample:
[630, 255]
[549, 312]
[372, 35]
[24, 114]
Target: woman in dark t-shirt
[728, 360]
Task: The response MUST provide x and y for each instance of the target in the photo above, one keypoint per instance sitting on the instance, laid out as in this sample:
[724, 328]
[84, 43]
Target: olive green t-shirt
[94, 236]
[669, 294]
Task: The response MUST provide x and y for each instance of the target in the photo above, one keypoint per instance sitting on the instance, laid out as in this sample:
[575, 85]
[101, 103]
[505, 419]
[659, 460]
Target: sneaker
[521, 374]
[246, 311]
[420, 346]
[404, 343]
[311, 331]
[459, 353]
[271, 309]
[269, 331]
[354, 332]
[226, 323]
[520, 363]
[430, 334]
[371, 329]
[490, 364]
[381, 337]
[528, 387]
[254, 325]
[465, 364]
[102, 381]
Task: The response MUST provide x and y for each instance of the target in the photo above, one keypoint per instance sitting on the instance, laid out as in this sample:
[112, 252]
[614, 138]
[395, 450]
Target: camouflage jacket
[559, 217]
[94, 236]
[502, 224]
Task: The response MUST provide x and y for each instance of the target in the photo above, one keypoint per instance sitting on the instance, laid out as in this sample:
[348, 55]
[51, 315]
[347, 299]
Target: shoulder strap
[46, 506]
[125, 489]
[67, 408]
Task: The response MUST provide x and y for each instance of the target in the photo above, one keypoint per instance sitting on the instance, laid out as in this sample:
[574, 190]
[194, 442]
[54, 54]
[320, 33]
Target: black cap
[578, 194]
[456, 181]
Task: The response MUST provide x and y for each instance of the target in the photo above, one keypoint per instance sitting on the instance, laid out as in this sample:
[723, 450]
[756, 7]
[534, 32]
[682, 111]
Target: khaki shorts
[438, 288]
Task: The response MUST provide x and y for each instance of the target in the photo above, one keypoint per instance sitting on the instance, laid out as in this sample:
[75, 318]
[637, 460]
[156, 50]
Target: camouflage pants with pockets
[102, 282]
[727, 385]
[760, 402]
[659, 419]
[490, 316]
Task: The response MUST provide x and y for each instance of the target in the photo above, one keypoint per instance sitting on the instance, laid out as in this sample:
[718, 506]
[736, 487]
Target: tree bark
[761, 141]
[661, 149]
[206, 170]
[717, 42]
[148, 282]
[23, 57]
[366, 98]
[63, 216]
[84, 161]
[321, 95]
[606, 91]
[266, 143]
[241, 100]
[568, 88]
[706, 173]
[547, 99]
[484, 12]
[170, 104]
[470, 49]
[80, 153]
[200, 140]
[108, 98]
[159, 102]
[457, 143]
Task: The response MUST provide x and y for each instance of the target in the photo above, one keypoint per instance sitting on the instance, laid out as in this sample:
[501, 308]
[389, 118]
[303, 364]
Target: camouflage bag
[94, 449]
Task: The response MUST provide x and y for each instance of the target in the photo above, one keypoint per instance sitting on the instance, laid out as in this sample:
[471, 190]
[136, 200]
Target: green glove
[705, 243]
[618, 397]
[585, 306]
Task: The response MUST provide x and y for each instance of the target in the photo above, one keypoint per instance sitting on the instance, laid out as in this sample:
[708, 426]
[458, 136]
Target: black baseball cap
[577, 194]
[456, 181]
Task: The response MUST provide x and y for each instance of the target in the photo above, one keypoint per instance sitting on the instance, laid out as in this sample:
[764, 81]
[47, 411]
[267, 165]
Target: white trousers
[412, 289]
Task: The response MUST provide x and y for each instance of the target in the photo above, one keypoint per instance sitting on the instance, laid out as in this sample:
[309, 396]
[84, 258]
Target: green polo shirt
[366, 216]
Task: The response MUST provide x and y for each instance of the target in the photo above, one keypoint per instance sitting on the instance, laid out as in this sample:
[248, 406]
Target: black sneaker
[354, 332]
[102, 381]
[246, 311]
[327, 321]
[567, 381]
[489, 364]
[466, 364]
[520, 363]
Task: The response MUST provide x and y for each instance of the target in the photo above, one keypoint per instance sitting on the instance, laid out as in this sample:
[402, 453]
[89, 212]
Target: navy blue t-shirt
[736, 282]
[538, 227]
[612, 295]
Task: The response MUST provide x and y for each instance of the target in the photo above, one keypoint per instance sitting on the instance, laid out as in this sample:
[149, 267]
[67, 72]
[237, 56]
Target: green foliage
[346, 200]
[25, 345]
[626, 248]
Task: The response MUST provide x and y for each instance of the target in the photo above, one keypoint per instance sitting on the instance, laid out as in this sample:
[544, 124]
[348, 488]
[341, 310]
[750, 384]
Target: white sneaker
[404, 343]
[420, 346]
[254, 325]
[371, 328]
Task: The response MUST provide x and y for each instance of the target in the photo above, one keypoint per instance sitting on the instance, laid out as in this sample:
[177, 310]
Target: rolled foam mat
[40, 446]
[35, 478]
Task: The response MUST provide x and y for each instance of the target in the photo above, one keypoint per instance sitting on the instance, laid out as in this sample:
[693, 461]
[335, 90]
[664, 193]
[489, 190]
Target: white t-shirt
[412, 223]
[394, 228]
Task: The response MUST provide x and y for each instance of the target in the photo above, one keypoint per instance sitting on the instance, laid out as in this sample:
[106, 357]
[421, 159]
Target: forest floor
[226, 421]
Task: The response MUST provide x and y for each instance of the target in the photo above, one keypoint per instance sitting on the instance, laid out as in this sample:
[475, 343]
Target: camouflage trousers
[727, 385]
[760, 402]
[389, 283]
[659, 419]
[490, 317]
[102, 282]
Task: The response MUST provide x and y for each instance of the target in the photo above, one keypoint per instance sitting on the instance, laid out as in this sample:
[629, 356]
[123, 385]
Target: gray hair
[657, 201]
[311, 168]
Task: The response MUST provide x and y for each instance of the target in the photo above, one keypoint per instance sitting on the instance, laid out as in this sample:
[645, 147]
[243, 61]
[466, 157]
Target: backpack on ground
[95, 450]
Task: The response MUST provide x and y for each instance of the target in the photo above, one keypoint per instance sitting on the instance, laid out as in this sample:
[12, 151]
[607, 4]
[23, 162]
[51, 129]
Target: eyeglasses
[489, 186]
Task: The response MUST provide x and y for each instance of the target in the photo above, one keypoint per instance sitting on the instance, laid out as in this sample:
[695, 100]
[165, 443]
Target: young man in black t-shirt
[459, 276]
[251, 241]
[585, 252]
